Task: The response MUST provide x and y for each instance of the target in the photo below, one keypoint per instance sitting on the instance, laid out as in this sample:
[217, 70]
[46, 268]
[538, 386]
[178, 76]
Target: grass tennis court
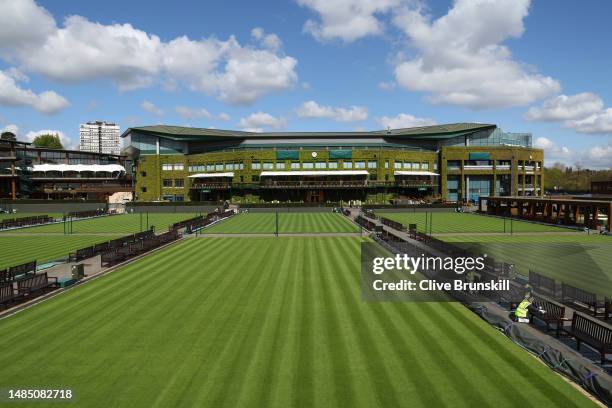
[579, 260]
[121, 224]
[282, 324]
[443, 222]
[16, 250]
[265, 223]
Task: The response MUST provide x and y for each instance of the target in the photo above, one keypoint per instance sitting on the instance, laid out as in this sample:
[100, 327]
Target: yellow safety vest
[521, 310]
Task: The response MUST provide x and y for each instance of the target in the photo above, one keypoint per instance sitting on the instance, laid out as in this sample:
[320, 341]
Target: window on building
[280, 165]
[179, 183]
[179, 198]
[256, 166]
[320, 165]
[371, 164]
[143, 174]
[425, 166]
[229, 166]
[168, 198]
[332, 165]
[219, 167]
[143, 189]
[308, 165]
[167, 182]
[268, 166]
[210, 167]
[178, 166]
[386, 164]
[166, 167]
[255, 179]
[295, 165]
[347, 164]
[241, 166]
[416, 166]
[360, 165]
[407, 165]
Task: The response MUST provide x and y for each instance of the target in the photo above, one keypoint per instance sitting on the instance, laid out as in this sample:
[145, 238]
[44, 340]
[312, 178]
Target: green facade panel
[340, 154]
[480, 156]
[287, 155]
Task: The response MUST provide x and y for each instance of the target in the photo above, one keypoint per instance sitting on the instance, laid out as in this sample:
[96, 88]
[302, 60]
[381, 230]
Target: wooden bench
[7, 293]
[22, 271]
[581, 299]
[110, 258]
[81, 254]
[35, 283]
[553, 313]
[591, 332]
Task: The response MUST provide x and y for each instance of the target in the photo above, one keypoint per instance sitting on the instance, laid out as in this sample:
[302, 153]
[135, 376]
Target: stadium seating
[548, 312]
[592, 333]
[7, 293]
[542, 284]
[35, 283]
[581, 299]
[25, 221]
[135, 245]
[393, 224]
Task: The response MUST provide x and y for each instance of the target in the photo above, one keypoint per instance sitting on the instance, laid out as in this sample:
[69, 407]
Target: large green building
[454, 162]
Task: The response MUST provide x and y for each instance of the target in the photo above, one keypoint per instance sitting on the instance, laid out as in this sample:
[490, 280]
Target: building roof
[203, 134]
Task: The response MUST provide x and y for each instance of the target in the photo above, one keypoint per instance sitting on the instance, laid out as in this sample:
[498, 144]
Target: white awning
[211, 175]
[110, 168]
[314, 173]
[414, 173]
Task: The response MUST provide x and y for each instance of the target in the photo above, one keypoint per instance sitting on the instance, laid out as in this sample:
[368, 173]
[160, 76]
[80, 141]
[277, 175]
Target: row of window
[281, 165]
[176, 183]
[216, 167]
[177, 166]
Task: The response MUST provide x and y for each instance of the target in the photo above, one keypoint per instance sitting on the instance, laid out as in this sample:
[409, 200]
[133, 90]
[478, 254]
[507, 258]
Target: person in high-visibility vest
[521, 313]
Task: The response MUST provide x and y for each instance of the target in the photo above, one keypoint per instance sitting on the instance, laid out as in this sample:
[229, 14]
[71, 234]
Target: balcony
[482, 167]
[211, 186]
[87, 188]
[323, 184]
[502, 167]
[7, 155]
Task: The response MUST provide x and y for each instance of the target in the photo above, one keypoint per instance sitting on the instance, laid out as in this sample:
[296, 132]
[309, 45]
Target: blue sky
[541, 67]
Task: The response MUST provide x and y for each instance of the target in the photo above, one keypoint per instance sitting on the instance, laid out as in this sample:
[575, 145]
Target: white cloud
[598, 156]
[16, 28]
[270, 41]
[66, 141]
[404, 120]
[257, 121]
[83, 50]
[461, 60]
[151, 108]
[346, 20]
[192, 113]
[583, 112]
[14, 129]
[224, 116]
[312, 109]
[597, 123]
[11, 94]
[565, 107]
[543, 143]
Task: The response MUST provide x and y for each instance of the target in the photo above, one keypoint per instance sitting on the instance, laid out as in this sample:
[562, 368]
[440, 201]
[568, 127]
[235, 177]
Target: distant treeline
[572, 179]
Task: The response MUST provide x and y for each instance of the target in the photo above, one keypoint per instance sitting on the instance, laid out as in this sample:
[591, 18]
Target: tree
[49, 141]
